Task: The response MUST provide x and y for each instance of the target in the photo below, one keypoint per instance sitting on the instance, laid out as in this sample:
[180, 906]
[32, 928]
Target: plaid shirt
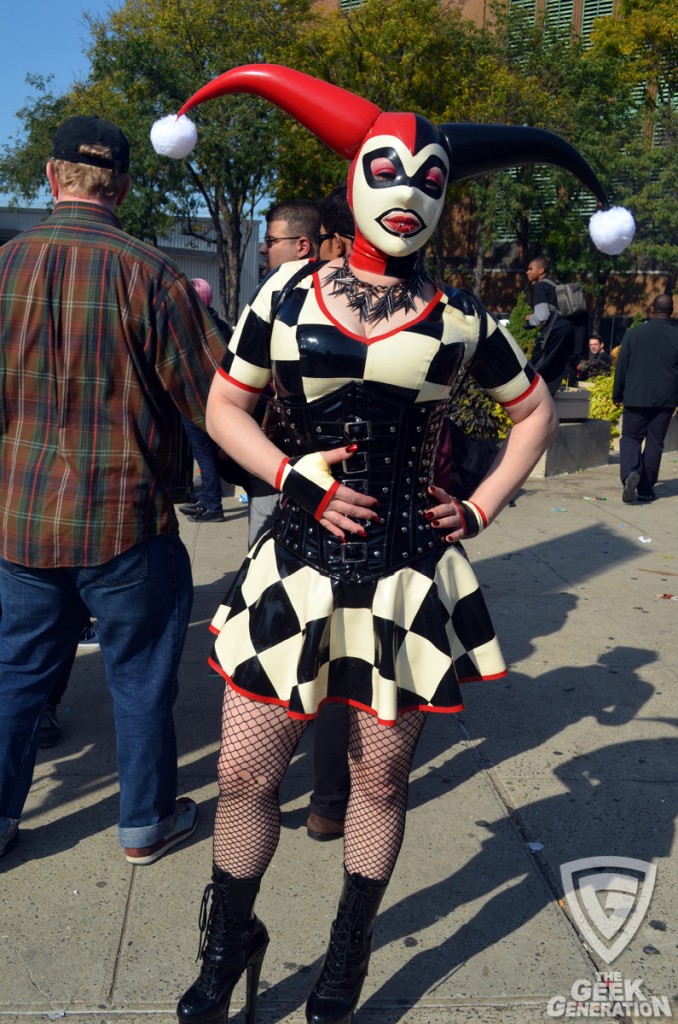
[102, 339]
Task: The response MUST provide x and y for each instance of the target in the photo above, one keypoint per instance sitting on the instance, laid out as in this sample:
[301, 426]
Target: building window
[558, 17]
[526, 8]
[591, 10]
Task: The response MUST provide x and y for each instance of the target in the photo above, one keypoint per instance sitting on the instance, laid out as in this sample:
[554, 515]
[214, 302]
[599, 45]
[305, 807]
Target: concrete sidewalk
[573, 756]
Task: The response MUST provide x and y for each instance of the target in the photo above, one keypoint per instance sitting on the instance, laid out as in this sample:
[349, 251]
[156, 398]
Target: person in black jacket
[554, 355]
[646, 384]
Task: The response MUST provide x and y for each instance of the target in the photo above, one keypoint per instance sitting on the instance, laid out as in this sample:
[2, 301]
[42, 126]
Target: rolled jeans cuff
[145, 835]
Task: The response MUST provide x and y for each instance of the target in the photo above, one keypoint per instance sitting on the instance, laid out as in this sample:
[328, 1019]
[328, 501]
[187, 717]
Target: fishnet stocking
[257, 744]
[379, 758]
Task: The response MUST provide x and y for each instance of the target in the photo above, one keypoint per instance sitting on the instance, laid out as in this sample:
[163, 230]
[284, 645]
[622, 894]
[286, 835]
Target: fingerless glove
[307, 480]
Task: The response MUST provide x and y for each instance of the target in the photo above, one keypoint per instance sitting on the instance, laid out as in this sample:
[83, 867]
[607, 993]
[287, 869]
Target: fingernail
[428, 514]
[351, 447]
[361, 533]
[435, 522]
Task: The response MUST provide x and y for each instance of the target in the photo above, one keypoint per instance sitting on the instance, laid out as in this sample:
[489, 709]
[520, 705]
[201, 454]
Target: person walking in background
[556, 343]
[102, 340]
[646, 385]
[206, 506]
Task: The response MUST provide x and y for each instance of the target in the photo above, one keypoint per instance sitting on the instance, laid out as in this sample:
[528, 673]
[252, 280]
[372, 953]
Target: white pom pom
[174, 136]
[612, 230]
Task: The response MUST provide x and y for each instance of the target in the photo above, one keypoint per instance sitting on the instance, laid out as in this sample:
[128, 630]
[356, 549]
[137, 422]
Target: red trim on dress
[320, 299]
[309, 717]
[514, 401]
[238, 383]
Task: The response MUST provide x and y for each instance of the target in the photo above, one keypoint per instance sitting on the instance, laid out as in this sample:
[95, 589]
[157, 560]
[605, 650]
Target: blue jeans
[142, 600]
[205, 452]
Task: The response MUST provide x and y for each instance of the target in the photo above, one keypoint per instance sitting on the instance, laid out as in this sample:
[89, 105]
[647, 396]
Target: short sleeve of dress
[500, 367]
[247, 362]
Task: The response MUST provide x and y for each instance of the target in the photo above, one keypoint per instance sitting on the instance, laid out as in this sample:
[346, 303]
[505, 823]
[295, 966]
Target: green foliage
[476, 414]
[602, 406]
[616, 100]
[525, 336]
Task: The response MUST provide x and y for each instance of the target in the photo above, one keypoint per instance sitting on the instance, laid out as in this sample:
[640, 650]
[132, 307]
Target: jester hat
[345, 122]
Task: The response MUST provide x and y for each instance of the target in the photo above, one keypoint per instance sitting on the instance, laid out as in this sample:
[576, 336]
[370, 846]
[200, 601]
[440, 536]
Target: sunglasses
[328, 237]
[269, 240]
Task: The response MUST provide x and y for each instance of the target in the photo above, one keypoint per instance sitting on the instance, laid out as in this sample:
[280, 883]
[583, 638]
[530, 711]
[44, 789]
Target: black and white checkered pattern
[289, 635]
[307, 356]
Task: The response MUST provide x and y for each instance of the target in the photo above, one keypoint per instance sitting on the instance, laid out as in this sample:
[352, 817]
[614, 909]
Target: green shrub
[602, 406]
[525, 336]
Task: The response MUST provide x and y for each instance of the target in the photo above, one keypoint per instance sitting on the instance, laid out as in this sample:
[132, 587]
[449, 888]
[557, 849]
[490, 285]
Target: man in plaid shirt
[102, 343]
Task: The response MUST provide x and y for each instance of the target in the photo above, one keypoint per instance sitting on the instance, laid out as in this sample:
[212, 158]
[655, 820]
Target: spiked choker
[373, 302]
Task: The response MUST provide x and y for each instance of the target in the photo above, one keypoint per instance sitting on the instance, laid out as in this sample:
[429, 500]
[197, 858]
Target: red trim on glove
[279, 475]
[320, 511]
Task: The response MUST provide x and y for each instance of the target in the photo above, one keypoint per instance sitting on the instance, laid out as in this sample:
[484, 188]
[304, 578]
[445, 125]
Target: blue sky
[43, 37]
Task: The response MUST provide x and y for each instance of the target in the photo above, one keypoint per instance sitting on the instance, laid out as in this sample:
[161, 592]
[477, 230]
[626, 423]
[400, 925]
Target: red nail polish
[361, 533]
[435, 522]
[351, 447]
[428, 515]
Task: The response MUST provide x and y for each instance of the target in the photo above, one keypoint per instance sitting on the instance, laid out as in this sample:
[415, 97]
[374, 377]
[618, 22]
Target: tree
[146, 59]
[642, 45]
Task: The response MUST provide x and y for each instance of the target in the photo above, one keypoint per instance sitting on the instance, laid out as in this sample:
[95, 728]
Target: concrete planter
[578, 445]
[572, 404]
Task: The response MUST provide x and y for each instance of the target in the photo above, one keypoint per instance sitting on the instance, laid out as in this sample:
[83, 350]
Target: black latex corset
[394, 463]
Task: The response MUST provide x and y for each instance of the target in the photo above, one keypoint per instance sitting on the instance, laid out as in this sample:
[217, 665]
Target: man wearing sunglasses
[292, 230]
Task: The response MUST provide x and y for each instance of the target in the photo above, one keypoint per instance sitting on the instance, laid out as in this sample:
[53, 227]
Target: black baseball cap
[84, 131]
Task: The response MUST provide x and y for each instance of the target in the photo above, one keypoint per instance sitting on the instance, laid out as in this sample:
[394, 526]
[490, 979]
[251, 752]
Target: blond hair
[85, 180]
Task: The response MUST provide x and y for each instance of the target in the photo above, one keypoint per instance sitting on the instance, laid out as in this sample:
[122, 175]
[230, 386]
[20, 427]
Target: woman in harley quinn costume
[362, 592]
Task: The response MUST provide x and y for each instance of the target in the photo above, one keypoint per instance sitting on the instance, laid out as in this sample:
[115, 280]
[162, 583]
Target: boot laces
[207, 913]
[347, 943]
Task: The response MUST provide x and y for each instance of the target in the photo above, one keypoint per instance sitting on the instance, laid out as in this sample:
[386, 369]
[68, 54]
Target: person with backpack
[557, 349]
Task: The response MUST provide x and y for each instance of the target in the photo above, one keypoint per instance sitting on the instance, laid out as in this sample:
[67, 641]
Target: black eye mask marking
[418, 180]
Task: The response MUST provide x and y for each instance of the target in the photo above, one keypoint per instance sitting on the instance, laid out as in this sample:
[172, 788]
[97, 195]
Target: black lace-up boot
[233, 941]
[344, 969]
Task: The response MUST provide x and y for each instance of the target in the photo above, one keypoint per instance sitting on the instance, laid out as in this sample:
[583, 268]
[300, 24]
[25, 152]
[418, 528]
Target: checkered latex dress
[397, 623]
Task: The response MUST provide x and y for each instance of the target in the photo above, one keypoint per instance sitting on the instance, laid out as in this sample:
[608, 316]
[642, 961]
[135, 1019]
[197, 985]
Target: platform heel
[233, 941]
[336, 993]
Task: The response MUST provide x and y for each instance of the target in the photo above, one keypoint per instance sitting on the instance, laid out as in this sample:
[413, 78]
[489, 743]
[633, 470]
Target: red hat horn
[336, 116]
